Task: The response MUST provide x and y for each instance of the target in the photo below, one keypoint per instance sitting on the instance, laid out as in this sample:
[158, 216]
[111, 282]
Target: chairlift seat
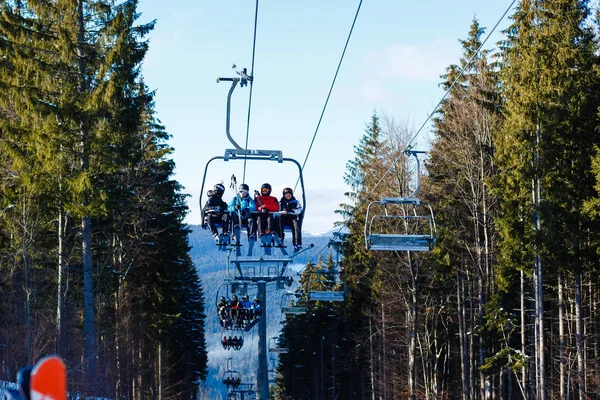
[326, 296]
[294, 310]
[279, 350]
[400, 200]
[400, 242]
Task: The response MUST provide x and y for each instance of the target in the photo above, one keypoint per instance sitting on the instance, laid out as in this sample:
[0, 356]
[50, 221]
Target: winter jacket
[214, 204]
[291, 206]
[269, 202]
[246, 204]
[246, 304]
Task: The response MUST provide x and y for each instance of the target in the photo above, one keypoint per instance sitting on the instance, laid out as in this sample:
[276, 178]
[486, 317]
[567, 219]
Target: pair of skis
[47, 380]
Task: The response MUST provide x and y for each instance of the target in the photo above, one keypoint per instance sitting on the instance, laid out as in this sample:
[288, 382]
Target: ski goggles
[242, 191]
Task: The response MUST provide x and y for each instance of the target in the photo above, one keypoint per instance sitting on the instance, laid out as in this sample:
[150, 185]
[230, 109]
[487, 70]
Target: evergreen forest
[96, 259]
[94, 252]
[506, 304]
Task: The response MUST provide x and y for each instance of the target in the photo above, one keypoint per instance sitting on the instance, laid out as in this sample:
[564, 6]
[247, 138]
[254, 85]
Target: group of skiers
[255, 214]
[240, 313]
[234, 343]
[235, 382]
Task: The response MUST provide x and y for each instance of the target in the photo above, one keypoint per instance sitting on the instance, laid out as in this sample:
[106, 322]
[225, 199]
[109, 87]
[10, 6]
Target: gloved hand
[265, 210]
[237, 206]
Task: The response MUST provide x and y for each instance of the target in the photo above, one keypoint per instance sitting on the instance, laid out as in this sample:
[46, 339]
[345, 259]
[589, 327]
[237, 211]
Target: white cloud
[411, 62]
[402, 64]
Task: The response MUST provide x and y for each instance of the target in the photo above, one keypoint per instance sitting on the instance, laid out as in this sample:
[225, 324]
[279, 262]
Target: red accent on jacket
[269, 202]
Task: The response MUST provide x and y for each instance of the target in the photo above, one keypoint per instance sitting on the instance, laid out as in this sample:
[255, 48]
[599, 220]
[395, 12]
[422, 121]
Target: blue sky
[396, 54]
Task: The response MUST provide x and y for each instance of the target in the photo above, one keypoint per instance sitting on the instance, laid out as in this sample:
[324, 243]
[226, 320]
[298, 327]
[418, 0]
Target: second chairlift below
[264, 217]
[239, 314]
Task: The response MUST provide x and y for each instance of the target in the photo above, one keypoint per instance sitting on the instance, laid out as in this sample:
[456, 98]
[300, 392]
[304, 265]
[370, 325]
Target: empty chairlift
[289, 304]
[327, 280]
[325, 295]
[278, 345]
[400, 223]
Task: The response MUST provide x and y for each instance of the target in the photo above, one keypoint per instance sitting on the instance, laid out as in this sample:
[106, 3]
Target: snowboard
[49, 379]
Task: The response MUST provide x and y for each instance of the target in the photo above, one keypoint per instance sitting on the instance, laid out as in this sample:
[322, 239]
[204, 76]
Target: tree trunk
[561, 337]
[538, 281]
[473, 370]
[86, 223]
[62, 284]
[118, 381]
[372, 369]
[160, 386]
[464, 368]
[486, 250]
[385, 367]
[594, 317]
[524, 335]
[579, 337]
[412, 327]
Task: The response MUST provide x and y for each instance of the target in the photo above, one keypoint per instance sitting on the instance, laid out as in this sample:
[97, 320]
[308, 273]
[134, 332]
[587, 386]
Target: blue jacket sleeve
[252, 204]
[232, 204]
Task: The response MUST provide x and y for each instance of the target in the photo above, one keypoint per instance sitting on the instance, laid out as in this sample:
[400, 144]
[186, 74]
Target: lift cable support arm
[243, 80]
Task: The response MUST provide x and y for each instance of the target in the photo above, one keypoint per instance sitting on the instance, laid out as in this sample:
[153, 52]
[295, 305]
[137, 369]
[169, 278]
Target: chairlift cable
[330, 90]
[251, 86]
[408, 145]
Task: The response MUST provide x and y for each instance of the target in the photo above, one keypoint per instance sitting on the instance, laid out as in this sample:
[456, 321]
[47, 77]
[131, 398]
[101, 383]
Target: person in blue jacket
[240, 207]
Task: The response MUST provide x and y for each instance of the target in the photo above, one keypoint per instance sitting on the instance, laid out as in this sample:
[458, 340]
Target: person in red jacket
[266, 204]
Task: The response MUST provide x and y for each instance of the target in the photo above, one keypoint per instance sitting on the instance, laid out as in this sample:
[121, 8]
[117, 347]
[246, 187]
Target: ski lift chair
[232, 378]
[422, 227]
[289, 304]
[277, 345]
[235, 332]
[325, 295]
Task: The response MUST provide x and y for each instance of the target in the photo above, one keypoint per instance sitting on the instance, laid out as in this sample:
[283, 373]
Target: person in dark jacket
[215, 211]
[266, 204]
[235, 309]
[291, 211]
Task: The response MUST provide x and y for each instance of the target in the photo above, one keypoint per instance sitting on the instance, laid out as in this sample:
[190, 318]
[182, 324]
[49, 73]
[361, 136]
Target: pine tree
[80, 140]
[312, 369]
[459, 167]
[544, 151]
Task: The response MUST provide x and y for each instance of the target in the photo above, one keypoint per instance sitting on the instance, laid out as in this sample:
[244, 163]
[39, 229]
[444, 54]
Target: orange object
[49, 379]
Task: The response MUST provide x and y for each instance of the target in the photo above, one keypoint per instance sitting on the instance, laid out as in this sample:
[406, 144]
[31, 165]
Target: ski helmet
[266, 186]
[288, 190]
[219, 188]
[245, 187]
